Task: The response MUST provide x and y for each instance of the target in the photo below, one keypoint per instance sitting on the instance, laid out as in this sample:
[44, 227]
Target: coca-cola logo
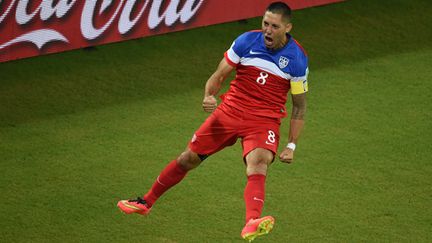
[127, 13]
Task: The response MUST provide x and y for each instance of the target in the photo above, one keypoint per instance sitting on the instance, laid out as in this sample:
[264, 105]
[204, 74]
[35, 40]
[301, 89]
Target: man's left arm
[296, 126]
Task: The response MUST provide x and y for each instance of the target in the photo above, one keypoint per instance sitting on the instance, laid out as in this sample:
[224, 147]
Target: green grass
[82, 129]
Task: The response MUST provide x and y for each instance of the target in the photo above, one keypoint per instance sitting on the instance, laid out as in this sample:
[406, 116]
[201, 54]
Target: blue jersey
[264, 77]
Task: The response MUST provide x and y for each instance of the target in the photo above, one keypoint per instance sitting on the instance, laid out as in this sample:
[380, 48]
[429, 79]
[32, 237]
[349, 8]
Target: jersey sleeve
[237, 50]
[299, 80]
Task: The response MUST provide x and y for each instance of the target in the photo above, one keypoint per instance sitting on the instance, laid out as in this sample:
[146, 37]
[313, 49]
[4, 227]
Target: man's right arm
[214, 84]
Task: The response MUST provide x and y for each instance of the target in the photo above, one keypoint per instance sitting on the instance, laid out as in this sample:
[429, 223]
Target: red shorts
[226, 124]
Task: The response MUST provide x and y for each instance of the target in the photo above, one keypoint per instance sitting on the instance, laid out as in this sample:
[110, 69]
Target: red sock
[254, 195]
[171, 175]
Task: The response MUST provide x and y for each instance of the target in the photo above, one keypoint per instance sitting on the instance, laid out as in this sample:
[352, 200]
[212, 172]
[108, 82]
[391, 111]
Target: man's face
[274, 29]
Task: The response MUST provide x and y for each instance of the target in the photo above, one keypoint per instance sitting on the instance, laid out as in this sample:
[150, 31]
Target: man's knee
[189, 160]
[258, 160]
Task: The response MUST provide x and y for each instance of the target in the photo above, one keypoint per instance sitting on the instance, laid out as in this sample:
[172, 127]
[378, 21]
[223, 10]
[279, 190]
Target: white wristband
[291, 146]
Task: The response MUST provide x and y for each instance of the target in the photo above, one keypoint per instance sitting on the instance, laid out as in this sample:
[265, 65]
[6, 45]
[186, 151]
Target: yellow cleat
[257, 227]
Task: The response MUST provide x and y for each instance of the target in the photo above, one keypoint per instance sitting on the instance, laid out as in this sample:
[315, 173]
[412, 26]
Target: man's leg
[172, 174]
[257, 162]
[215, 133]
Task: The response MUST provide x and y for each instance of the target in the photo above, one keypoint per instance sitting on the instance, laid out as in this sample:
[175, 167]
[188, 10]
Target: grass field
[82, 129]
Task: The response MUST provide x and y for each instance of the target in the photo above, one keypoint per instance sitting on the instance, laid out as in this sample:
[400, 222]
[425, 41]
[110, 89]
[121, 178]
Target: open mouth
[268, 40]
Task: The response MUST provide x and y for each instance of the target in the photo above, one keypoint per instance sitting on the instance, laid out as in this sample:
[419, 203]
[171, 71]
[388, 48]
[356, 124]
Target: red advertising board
[31, 28]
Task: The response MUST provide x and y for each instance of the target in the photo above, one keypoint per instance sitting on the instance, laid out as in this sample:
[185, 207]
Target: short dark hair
[282, 9]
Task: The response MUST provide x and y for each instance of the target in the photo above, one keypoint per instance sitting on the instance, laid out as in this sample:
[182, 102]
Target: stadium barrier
[33, 28]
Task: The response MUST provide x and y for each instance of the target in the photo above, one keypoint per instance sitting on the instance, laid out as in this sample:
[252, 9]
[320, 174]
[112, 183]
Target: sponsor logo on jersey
[255, 52]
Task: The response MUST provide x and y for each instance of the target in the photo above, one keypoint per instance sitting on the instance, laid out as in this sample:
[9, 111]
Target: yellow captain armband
[299, 86]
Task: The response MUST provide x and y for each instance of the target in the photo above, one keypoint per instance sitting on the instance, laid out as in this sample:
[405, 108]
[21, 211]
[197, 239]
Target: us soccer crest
[283, 62]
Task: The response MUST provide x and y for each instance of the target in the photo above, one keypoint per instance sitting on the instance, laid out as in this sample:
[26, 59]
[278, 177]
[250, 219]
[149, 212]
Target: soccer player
[269, 63]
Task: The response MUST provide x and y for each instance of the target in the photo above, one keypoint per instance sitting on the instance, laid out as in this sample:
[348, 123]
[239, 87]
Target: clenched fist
[287, 155]
[209, 103]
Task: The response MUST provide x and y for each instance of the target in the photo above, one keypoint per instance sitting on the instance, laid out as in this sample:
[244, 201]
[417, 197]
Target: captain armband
[299, 86]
